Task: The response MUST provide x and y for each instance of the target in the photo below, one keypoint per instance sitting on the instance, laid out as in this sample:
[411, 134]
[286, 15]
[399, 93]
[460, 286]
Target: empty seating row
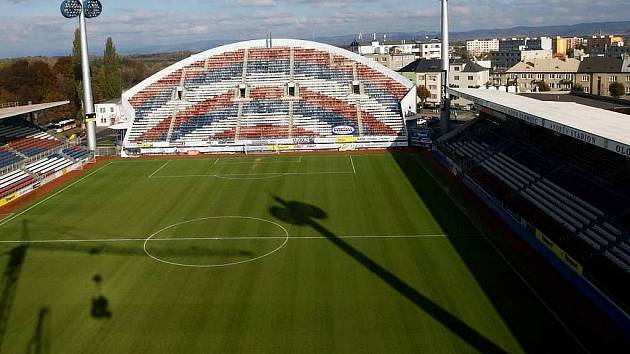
[14, 181]
[50, 165]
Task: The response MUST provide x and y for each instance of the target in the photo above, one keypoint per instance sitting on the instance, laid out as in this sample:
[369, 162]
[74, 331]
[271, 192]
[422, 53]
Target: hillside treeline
[43, 79]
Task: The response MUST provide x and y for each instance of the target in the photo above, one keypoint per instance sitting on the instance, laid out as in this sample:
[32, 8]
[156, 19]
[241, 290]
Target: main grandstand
[295, 94]
[559, 173]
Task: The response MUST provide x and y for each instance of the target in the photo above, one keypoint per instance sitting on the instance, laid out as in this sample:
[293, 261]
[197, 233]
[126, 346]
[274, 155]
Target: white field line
[352, 162]
[245, 175]
[258, 162]
[236, 238]
[4, 221]
[160, 168]
[215, 162]
[511, 266]
[4, 216]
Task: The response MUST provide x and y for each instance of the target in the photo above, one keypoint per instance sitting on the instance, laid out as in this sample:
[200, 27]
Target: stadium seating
[580, 207]
[49, 165]
[14, 181]
[28, 155]
[203, 101]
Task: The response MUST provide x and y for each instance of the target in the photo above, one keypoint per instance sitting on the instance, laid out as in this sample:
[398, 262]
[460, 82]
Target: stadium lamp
[85, 9]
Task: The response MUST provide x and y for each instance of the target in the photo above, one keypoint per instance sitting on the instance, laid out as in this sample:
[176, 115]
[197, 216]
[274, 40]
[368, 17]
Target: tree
[617, 89]
[577, 88]
[543, 87]
[112, 72]
[76, 65]
[423, 93]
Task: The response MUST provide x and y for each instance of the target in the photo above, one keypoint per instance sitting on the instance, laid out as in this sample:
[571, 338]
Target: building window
[102, 110]
[627, 90]
[585, 78]
[242, 91]
[291, 89]
[356, 88]
[456, 78]
[111, 109]
[470, 78]
[568, 76]
[540, 76]
[552, 85]
[434, 96]
[457, 68]
[627, 78]
[612, 78]
[432, 87]
[587, 89]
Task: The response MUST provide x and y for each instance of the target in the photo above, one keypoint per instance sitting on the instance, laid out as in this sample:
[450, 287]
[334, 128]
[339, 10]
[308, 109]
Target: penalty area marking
[258, 161]
[159, 169]
[259, 175]
[284, 243]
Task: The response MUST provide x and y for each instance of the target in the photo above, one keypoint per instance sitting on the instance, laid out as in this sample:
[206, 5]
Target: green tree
[112, 72]
[423, 93]
[76, 65]
[617, 89]
[543, 87]
[577, 88]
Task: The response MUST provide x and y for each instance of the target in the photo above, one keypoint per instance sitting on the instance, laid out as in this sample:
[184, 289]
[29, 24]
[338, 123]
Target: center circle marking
[151, 237]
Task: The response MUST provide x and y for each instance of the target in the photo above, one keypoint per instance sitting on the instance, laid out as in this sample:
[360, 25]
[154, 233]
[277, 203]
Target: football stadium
[271, 197]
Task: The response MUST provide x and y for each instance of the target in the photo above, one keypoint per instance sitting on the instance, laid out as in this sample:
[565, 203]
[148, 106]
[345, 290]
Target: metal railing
[9, 105]
[25, 161]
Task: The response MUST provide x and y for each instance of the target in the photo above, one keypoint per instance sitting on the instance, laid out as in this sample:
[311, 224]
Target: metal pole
[88, 105]
[446, 102]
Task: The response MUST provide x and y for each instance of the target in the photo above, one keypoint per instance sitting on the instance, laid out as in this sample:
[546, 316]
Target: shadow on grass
[9, 281]
[40, 343]
[531, 324]
[302, 214]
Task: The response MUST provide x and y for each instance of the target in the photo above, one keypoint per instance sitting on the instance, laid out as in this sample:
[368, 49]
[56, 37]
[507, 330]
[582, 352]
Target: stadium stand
[247, 91]
[576, 194]
[29, 156]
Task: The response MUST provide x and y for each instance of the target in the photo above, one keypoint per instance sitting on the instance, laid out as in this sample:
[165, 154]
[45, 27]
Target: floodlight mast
[85, 9]
[88, 104]
[446, 102]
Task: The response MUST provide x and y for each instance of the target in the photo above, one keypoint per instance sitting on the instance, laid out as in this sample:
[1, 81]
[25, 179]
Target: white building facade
[109, 113]
[478, 47]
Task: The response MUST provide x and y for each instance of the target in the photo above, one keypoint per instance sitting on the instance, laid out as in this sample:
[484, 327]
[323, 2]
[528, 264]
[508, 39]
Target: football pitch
[338, 253]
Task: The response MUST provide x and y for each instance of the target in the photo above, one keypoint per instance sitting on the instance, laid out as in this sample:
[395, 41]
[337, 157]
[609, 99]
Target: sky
[36, 27]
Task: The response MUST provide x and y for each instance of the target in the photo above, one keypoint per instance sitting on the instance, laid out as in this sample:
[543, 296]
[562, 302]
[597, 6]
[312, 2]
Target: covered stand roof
[20, 110]
[603, 128]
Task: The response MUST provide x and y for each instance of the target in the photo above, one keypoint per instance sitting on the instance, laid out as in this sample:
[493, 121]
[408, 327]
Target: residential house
[558, 74]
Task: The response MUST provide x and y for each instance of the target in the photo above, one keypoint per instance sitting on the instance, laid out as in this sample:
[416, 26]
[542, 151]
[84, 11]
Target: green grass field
[268, 254]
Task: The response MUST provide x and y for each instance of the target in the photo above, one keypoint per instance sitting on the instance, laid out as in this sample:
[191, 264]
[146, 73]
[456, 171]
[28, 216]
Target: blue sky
[32, 27]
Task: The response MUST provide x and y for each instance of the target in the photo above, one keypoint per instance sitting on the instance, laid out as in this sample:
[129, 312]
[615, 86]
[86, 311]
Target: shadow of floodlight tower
[85, 9]
[302, 214]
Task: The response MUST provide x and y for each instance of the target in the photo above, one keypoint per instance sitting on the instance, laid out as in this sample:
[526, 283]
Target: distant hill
[580, 29]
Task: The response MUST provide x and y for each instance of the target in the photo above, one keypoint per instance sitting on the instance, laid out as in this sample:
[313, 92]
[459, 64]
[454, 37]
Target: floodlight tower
[446, 102]
[85, 9]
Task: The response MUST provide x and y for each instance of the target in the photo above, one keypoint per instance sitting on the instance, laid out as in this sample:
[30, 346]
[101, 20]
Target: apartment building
[558, 74]
[478, 47]
[595, 75]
